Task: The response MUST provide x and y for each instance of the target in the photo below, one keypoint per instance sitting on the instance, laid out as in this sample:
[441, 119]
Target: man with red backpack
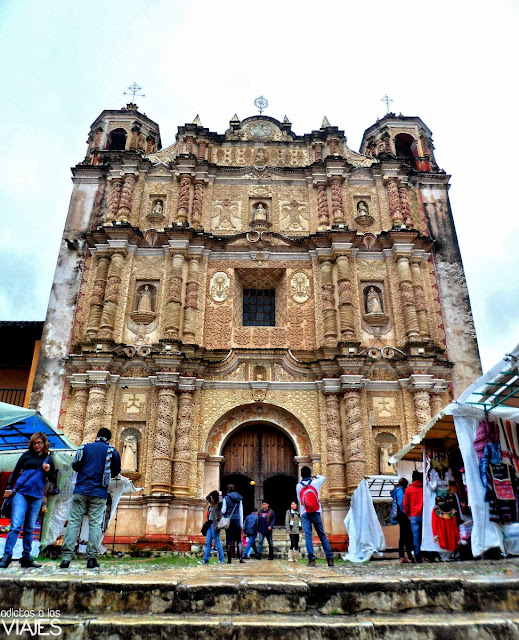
[308, 496]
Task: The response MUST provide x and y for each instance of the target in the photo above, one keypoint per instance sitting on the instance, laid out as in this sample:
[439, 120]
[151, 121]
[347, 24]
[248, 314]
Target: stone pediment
[259, 129]
[164, 156]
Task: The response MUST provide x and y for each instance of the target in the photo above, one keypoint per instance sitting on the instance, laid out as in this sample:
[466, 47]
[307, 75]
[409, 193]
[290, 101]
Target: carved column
[97, 141]
[198, 200]
[420, 301]
[174, 303]
[328, 296]
[334, 146]
[77, 419]
[150, 143]
[202, 150]
[191, 304]
[407, 297]
[125, 205]
[115, 198]
[161, 473]
[394, 202]
[436, 402]
[322, 207]
[345, 299]
[95, 411]
[189, 144]
[134, 139]
[318, 151]
[422, 408]
[183, 198]
[337, 204]
[111, 298]
[355, 451]
[405, 205]
[98, 295]
[182, 453]
[335, 474]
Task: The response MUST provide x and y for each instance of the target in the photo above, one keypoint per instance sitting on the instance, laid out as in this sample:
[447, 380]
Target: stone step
[469, 626]
[242, 589]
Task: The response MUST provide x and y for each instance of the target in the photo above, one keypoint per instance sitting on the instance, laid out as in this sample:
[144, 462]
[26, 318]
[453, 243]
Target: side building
[238, 305]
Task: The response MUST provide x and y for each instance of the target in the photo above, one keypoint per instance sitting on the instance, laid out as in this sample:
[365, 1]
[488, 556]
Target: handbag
[225, 522]
[7, 507]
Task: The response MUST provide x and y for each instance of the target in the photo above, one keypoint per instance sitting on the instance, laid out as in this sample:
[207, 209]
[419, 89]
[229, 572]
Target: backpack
[309, 498]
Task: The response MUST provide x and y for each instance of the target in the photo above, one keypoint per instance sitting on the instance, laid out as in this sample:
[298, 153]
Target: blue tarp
[17, 425]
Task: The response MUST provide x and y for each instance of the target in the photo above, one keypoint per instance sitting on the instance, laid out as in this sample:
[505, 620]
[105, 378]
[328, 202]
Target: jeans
[405, 541]
[309, 519]
[416, 528]
[262, 537]
[211, 535]
[25, 512]
[251, 545]
[94, 507]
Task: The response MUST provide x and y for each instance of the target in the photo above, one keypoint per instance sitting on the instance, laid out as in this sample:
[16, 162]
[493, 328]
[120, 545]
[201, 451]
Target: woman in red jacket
[413, 507]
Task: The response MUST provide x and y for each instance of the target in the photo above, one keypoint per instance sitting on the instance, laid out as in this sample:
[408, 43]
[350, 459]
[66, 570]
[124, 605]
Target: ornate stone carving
[183, 198]
[125, 204]
[422, 408]
[226, 215]
[334, 446]
[407, 297]
[129, 458]
[293, 216]
[191, 304]
[95, 413]
[156, 215]
[173, 306]
[328, 297]
[322, 207]
[363, 217]
[421, 302]
[77, 417]
[345, 299]
[111, 298]
[405, 205]
[182, 452]
[97, 296]
[355, 452]
[115, 198]
[300, 287]
[198, 200]
[394, 202]
[219, 286]
[144, 313]
[337, 203]
[161, 468]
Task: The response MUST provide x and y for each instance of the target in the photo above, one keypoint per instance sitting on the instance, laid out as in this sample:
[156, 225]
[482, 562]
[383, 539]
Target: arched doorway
[262, 454]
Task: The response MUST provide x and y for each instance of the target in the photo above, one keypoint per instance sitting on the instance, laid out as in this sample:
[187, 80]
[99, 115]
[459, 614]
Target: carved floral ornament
[219, 286]
[300, 287]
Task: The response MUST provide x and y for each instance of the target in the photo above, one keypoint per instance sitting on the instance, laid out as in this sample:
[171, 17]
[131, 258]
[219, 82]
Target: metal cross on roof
[387, 100]
[261, 104]
[133, 89]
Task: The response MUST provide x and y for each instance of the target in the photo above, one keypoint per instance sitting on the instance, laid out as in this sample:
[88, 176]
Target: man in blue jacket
[96, 463]
[250, 529]
[265, 526]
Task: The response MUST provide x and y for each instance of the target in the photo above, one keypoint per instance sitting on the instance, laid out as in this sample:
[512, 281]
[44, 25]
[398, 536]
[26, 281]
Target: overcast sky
[452, 63]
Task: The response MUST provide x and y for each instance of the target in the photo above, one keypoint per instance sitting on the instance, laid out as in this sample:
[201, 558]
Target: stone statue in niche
[129, 454]
[144, 312]
[260, 156]
[373, 304]
[158, 208]
[260, 373]
[260, 213]
[384, 455]
[362, 208]
[145, 299]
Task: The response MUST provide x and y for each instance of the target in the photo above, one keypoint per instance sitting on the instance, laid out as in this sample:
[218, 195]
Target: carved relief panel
[293, 216]
[226, 216]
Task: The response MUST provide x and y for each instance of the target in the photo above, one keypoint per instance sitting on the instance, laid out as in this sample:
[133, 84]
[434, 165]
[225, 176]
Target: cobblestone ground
[163, 569]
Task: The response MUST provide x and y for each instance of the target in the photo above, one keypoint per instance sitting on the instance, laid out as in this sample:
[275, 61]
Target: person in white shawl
[364, 530]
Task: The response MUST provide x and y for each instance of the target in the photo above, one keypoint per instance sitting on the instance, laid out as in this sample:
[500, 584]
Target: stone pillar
[420, 301]
[125, 205]
[412, 329]
[202, 150]
[318, 151]
[183, 198]
[405, 205]
[323, 214]
[189, 144]
[115, 198]
[150, 143]
[78, 412]
[182, 452]
[436, 402]
[355, 450]
[111, 298]
[335, 473]
[394, 202]
[161, 472]
[328, 295]
[337, 204]
[97, 141]
[95, 411]
[134, 138]
[191, 305]
[98, 295]
[422, 408]
[174, 303]
[334, 146]
[198, 200]
[345, 299]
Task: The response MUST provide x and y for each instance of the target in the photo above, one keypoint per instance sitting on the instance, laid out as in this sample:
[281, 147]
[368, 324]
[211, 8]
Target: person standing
[413, 507]
[310, 509]
[232, 507]
[213, 534]
[96, 463]
[27, 482]
[250, 528]
[398, 516]
[293, 526]
[267, 519]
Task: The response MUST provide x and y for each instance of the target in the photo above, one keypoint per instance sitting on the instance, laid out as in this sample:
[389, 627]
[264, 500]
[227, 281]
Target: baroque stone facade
[250, 302]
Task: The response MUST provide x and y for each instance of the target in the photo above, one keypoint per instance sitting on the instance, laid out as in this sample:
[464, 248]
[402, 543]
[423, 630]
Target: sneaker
[65, 564]
[311, 563]
[203, 562]
[92, 563]
[221, 562]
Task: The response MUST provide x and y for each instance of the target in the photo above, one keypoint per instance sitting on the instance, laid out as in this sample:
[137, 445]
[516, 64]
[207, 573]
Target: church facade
[237, 305]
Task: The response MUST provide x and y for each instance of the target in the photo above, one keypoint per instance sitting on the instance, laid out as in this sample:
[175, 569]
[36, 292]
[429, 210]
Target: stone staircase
[260, 600]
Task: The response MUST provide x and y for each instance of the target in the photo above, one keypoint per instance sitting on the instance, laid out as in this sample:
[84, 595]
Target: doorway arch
[262, 454]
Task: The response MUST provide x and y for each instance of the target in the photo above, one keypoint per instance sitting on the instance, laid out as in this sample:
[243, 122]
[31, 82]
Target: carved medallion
[219, 286]
[300, 287]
